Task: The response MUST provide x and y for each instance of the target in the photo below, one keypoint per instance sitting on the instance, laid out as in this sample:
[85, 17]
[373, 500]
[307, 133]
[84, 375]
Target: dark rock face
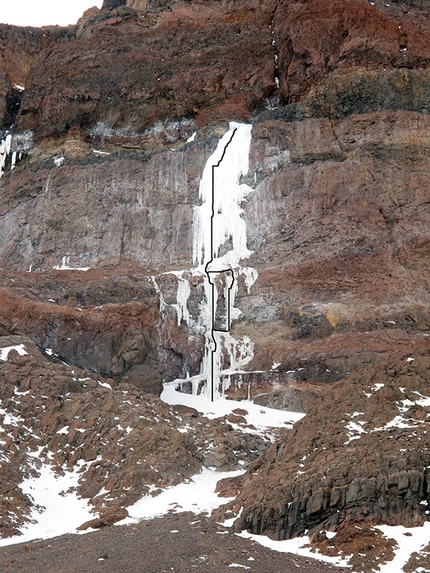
[104, 322]
[111, 4]
[137, 65]
[106, 175]
[18, 48]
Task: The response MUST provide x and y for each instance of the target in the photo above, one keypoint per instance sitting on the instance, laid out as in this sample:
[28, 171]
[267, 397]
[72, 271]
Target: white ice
[231, 355]
[182, 296]
[64, 266]
[5, 148]
[217, 220]
[229, 195]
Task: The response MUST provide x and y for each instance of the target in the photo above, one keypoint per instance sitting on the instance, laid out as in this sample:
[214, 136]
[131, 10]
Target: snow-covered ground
[259, 416]
[197, 496]
[297, 546]
[58, 510]
[408, 541]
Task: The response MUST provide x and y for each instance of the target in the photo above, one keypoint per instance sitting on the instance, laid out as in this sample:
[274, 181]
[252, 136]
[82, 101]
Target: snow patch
[58, 509]
[408, 539]
[296, 546]
[259, 416]
[197, 496]
[4, 352]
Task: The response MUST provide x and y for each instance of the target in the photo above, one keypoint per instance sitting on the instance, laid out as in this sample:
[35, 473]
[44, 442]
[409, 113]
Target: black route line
[212, 280]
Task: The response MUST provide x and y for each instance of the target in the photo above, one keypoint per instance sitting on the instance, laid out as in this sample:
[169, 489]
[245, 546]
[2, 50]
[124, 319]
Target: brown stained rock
[417, 560]
[240, 412]
[233, 64]
[364, 546]
[118, 340]
[342, 270]
[236, 419]
[185, 411]
[19, 46]
[109, 517]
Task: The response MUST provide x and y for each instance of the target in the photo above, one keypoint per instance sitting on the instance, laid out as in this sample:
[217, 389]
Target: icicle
[182, 296]
[5, 147]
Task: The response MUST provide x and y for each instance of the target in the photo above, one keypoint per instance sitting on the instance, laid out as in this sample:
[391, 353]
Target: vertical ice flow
[182, 296]
[218, 223]
[228, 223]
[218, 226]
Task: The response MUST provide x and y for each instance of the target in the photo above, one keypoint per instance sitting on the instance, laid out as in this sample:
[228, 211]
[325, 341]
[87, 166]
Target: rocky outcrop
[258, 56]
[359, 454]
[125, 442]
[339, 235]
[107, 322]
[18, 48]
[337, 223]
[110, 136]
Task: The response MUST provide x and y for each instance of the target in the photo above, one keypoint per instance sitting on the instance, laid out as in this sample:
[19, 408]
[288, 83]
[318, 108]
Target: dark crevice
[112, 4]
[13, 105]
[275, 49]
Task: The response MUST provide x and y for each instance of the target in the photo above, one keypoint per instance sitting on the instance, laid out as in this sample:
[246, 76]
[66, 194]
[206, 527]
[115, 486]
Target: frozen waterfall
[219, 244]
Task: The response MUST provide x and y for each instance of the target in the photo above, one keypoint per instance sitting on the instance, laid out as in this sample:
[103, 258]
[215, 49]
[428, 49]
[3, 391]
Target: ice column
[232, 155]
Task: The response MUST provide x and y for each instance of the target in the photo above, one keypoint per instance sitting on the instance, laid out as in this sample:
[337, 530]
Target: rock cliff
[107, 127]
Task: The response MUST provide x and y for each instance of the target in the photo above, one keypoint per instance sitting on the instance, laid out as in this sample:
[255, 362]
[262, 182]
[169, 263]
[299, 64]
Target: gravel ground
[177, 543]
